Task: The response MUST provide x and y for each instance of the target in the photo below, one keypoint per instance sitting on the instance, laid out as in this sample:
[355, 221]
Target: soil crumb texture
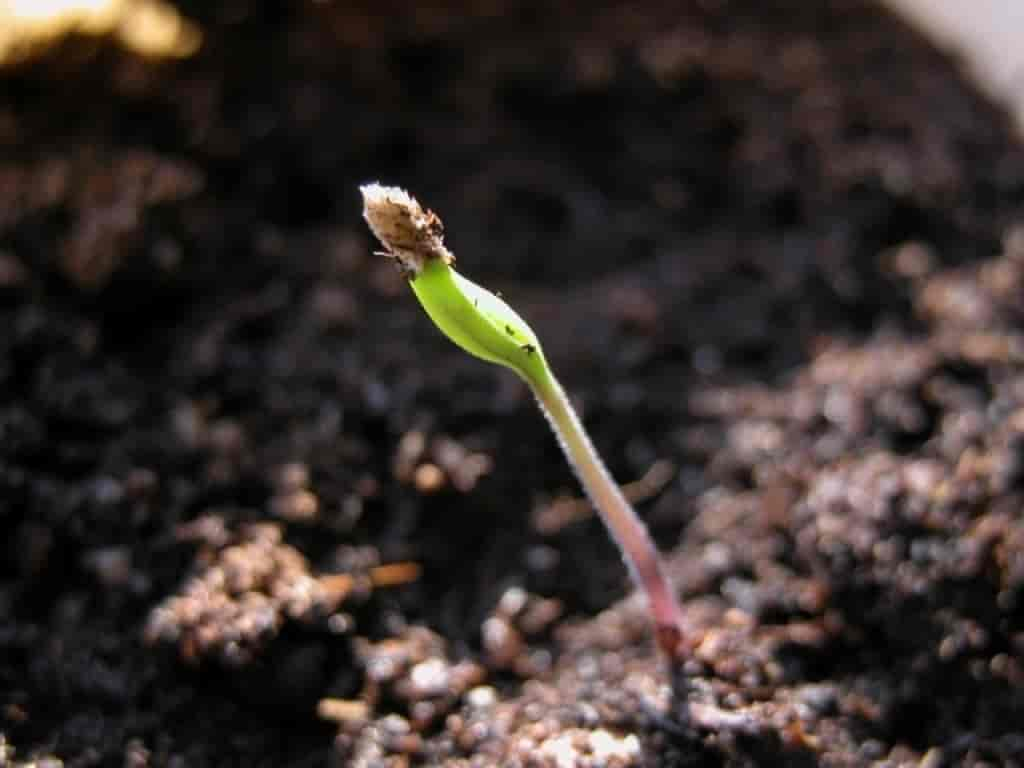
[256, 511]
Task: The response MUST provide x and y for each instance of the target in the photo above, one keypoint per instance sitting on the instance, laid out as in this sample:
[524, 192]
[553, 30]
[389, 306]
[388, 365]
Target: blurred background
[772, 249]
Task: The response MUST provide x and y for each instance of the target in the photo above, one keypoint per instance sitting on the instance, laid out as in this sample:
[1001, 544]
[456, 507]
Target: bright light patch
[148, 27]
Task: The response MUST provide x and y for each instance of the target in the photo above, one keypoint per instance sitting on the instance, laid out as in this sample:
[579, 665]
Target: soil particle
[242, 597]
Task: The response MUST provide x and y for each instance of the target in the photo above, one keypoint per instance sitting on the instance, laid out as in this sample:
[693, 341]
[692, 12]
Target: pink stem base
[626, 527]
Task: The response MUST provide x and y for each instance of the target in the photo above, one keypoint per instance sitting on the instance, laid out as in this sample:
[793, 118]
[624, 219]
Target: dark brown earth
[257, 512]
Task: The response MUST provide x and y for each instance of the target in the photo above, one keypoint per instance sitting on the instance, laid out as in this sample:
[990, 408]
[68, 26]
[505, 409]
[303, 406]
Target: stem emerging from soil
[486, 327]
[619, 517]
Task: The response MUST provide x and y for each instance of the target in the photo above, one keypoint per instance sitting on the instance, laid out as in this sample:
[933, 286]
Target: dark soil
[257, 512]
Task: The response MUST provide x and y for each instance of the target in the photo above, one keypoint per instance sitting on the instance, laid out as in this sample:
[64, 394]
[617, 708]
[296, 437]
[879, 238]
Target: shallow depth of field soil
[255, 511]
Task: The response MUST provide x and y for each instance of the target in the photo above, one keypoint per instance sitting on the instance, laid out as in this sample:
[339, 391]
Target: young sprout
[485, 326]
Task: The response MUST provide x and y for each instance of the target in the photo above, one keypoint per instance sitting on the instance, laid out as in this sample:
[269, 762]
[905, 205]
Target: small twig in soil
[553, 517]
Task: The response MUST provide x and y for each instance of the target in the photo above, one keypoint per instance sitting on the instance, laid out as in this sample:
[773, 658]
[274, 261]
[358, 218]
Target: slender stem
[619, 517]
[485, 326]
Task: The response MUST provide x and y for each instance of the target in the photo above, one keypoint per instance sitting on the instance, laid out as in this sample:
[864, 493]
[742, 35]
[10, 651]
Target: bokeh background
[256, 511]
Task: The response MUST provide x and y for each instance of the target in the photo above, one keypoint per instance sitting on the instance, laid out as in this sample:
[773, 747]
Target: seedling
[485, 326]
